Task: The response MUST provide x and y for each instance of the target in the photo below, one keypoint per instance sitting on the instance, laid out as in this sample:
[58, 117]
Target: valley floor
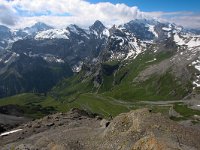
[36, 106]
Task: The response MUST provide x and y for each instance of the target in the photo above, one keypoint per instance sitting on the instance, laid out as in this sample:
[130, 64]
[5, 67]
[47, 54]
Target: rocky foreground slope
[79, 130]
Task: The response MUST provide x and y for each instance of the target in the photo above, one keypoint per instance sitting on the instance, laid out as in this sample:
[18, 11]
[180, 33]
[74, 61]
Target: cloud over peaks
[72, 11]
[7, 15]
[61, 13]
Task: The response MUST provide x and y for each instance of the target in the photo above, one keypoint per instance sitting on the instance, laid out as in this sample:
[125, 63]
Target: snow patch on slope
[188, 40]
[194, 42]
[152, 29]
[50, 58]
[53, 34]
[178, 40]
[151, 60]
[135, 49]
[117, 55]
[12, 57]
[77, 67]
[166, 29]
[196, 65]
[10, 132]
[106, 32]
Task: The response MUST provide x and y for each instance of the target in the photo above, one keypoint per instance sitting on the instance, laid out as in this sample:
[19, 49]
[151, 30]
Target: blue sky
[21, 13]
[159, 5]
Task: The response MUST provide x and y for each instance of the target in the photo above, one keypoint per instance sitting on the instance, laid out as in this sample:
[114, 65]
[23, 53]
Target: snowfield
[10, 132]
[53, 34]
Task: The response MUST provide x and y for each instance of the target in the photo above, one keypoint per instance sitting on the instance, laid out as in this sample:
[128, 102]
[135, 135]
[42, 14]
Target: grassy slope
[37, 105]
[118, 82]
[156, 87]
[185, 111]
[116, 94]
[30, 103]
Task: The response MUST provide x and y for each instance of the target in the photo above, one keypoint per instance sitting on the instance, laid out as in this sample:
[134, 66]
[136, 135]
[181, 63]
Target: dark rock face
[2, 128]
[5, 33]
[98, 27]
[82, 45]
[30, 74]
[140, 29]
[26, 69]
[20, 72]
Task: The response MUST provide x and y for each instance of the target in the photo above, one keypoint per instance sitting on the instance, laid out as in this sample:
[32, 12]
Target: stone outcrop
[80, 130]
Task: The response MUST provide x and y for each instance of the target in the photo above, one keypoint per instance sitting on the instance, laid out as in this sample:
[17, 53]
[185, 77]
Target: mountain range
[36, 58]
[136, 61]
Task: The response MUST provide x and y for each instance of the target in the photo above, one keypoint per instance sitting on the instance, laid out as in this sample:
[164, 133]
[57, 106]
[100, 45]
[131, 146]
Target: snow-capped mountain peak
[98, 27]
[74, 29]
[40, 26]
[37, 27]
[53, 34]
[99, 30]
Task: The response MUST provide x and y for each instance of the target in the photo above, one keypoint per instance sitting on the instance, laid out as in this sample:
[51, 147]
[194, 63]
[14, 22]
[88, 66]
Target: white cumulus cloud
[61, 13]
[7, 14]
[64, 12]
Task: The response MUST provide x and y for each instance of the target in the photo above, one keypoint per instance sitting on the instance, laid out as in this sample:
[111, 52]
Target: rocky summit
[79, 130]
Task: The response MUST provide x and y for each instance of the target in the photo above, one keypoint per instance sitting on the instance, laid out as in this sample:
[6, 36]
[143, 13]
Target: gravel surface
[79, 130]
